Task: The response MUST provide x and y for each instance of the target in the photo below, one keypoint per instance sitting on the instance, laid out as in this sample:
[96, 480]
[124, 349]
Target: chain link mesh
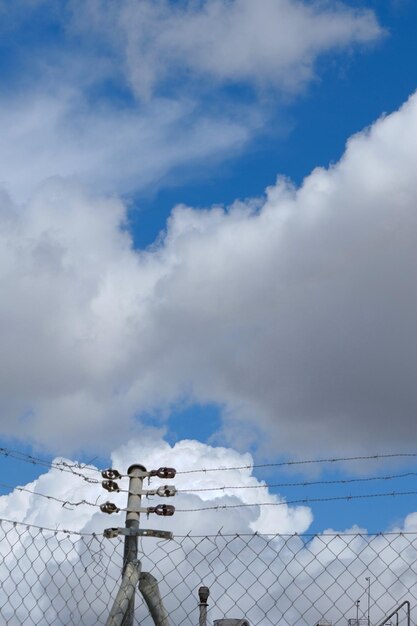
[59, 578]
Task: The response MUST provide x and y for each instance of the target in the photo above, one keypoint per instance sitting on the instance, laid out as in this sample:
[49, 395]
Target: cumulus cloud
[154, 452]
[55, 576]
[293, 313]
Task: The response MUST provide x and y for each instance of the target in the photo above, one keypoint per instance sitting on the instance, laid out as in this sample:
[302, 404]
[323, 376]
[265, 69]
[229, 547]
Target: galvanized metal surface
[136, 474]
[396, 612]
[111, 533]
[125, 594]
[203, 596]
[148, 586]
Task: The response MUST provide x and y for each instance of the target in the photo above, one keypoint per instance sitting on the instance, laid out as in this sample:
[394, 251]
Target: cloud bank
[295, 313]
[134, 94]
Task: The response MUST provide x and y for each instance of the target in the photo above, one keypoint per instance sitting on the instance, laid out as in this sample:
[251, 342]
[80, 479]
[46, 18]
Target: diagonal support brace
[148, 586]
[125, 594]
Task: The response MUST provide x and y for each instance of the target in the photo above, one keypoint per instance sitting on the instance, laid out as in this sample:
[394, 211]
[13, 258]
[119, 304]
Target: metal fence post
[203, 594]
[130, 554]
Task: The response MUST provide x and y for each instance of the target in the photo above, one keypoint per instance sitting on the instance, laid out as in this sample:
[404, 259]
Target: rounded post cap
[142, 468]
[203, 594]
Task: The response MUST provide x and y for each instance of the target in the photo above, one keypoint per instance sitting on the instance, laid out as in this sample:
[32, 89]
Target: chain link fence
[49, 577]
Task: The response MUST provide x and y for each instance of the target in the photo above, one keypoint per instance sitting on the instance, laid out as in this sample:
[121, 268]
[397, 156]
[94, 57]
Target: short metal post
[203, 594]
[130, 554]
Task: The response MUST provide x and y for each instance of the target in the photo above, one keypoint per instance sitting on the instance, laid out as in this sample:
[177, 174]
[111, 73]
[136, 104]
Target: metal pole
[368, 578]
[148, 586]
[125, 594]
[203, 594]
[130, 554]
[357, 612]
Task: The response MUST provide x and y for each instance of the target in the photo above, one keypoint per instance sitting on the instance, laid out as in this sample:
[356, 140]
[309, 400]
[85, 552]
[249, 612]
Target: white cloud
[109, 150]
[153, 452]
[296, 314]
[52, 577]
[73, 108]
[270, 42]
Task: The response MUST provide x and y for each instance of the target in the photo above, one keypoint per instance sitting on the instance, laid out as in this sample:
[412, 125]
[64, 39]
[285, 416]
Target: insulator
[111, 474]
[166, 491]
[164, 509]
[109, 507]
[164, 472]
[110, 485]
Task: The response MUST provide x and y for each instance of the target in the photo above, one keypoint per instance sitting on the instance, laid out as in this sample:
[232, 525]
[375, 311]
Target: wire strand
[52, 530]
[62, 466]
[302, 501]
[304, 462]
[324, 535]
[65, 503]
[305, 483]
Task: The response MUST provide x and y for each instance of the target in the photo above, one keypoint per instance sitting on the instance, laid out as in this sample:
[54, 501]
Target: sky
[208, 235]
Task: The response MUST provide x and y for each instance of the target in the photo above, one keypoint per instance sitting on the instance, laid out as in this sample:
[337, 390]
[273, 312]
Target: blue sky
[290, 338]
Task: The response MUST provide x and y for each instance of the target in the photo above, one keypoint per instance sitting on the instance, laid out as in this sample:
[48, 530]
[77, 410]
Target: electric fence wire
[304, 483]
[69, 503]
[219, 533]
[62, 466]
[371, 457]
[219, 507]
[55, 531]
[65, 503]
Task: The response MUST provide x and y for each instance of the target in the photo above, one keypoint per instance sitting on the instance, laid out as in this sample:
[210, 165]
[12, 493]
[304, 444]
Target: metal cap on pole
[203, 594]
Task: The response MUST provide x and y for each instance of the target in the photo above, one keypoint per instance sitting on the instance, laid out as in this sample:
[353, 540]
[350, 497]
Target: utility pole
[130, 555]
[122, 613]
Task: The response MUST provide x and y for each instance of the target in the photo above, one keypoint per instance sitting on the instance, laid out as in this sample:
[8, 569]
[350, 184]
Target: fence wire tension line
[51, 577]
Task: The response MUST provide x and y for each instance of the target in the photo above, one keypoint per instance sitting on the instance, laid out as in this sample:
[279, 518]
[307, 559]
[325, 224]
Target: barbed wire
[65, 503]
[65, 531]
[65, 466]
[304, 483]
[371, 457]
[219, 533]
[300, 501]
[62, 466]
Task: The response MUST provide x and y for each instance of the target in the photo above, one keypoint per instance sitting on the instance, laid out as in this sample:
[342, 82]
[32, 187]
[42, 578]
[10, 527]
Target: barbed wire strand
[370, 457]
[304, 483]
[74, 468]
[62, 466]
[219, 533]
[301, 501]
[64, 531]
[65, 503]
